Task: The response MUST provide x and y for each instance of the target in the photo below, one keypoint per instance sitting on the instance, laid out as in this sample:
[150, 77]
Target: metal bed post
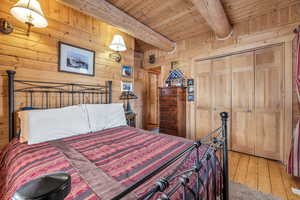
[109, 96]
[11, 106]
[224, 118]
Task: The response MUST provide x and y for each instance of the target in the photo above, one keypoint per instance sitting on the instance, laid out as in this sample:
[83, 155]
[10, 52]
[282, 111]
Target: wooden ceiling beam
[214, 14]
[106, 12]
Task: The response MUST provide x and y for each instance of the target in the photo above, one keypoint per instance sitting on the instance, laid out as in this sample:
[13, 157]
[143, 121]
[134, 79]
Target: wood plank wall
[35, 57]
[265, 29]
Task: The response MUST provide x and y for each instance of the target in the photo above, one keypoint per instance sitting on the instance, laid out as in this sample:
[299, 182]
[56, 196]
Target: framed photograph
[127, 71]
[190, 97]
[190, 82]
[190, 89]
[76, 60]
[126, 86]
[174, 64]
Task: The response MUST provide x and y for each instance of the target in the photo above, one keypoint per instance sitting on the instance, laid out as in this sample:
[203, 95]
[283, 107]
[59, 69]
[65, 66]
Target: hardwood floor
[263, 175]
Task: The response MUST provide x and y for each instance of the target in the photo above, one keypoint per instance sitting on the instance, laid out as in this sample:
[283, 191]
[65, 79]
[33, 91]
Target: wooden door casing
[153, 108]
[243, 123]
[269, 102]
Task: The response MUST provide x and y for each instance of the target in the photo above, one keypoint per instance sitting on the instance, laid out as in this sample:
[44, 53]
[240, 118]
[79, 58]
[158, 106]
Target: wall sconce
[5, 26]
[117, 45]
[30, 13]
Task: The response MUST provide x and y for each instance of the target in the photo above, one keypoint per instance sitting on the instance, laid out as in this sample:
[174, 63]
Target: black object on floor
[54, 186]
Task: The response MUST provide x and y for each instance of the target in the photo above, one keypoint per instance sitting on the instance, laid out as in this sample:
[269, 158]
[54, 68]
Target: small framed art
[77, 60]
[190, 89]
[126, 86]
[127, 71]
[191, 97]
[190, 82]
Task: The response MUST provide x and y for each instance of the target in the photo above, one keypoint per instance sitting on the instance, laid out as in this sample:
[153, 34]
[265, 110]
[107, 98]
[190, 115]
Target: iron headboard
[52, 95]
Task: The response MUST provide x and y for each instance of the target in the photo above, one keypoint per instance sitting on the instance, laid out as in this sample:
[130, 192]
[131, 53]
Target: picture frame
[127, 71]
[191, 97]
[190, 89]
[174, 64]
[126, 86]
[190, 82]
[76, 60]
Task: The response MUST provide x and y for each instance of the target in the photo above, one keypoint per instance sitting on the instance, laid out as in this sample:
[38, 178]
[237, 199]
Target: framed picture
[174, 64]
[190, 82]
[126, 86]
[190, 97]
[76, 60]
[127, 71]
[190, 89]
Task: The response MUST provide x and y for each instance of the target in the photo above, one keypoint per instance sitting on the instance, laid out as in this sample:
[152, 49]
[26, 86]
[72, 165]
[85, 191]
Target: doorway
[153, 83]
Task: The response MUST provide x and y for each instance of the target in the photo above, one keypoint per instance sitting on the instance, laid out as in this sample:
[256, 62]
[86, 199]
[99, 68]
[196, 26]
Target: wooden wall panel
[36, 57]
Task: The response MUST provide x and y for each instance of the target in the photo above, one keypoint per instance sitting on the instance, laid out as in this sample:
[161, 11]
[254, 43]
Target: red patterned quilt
[125, 154]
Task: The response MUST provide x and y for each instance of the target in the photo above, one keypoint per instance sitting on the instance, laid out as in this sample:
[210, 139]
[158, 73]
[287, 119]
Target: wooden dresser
[172, 111]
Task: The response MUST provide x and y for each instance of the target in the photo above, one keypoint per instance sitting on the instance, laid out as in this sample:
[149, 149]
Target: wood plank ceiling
[179, 19]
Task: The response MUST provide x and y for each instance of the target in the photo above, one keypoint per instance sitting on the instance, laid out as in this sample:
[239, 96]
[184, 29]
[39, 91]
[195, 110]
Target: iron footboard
[216, 140]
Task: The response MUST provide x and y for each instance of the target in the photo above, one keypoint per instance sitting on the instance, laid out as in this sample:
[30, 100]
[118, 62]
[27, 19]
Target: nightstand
[130, 118]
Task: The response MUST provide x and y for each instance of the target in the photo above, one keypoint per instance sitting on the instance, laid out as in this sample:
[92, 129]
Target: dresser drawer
[168, 131]
[165, 92]
[168, 100]
[168, 124]
[167, 108]
[171, 114]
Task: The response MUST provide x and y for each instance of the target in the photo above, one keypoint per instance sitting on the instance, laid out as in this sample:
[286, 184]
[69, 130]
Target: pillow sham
[23, 116]
[52, 124]
[103, 116]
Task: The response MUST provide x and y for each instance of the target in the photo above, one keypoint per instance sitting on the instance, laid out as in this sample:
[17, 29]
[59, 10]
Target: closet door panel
[268, 102]
[243, 127]
[268, 135]
[221, 91]
[203, 98]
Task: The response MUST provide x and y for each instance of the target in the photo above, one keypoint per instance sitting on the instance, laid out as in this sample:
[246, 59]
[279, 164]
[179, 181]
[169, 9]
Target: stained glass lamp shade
[127, 95]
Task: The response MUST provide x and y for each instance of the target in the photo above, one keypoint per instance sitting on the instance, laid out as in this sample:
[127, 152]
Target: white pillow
[52, 124]
[103, 116]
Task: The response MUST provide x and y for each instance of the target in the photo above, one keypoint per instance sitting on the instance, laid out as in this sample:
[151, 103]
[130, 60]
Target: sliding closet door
[221, 90]
[242, 120]
[268, 102]
[202, 70]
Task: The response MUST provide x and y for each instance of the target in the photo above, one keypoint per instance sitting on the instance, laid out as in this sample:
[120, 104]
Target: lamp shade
[29, 12]
[127, 95]
[118, 43]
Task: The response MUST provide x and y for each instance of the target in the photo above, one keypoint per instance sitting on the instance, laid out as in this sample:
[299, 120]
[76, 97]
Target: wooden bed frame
[66, 94]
